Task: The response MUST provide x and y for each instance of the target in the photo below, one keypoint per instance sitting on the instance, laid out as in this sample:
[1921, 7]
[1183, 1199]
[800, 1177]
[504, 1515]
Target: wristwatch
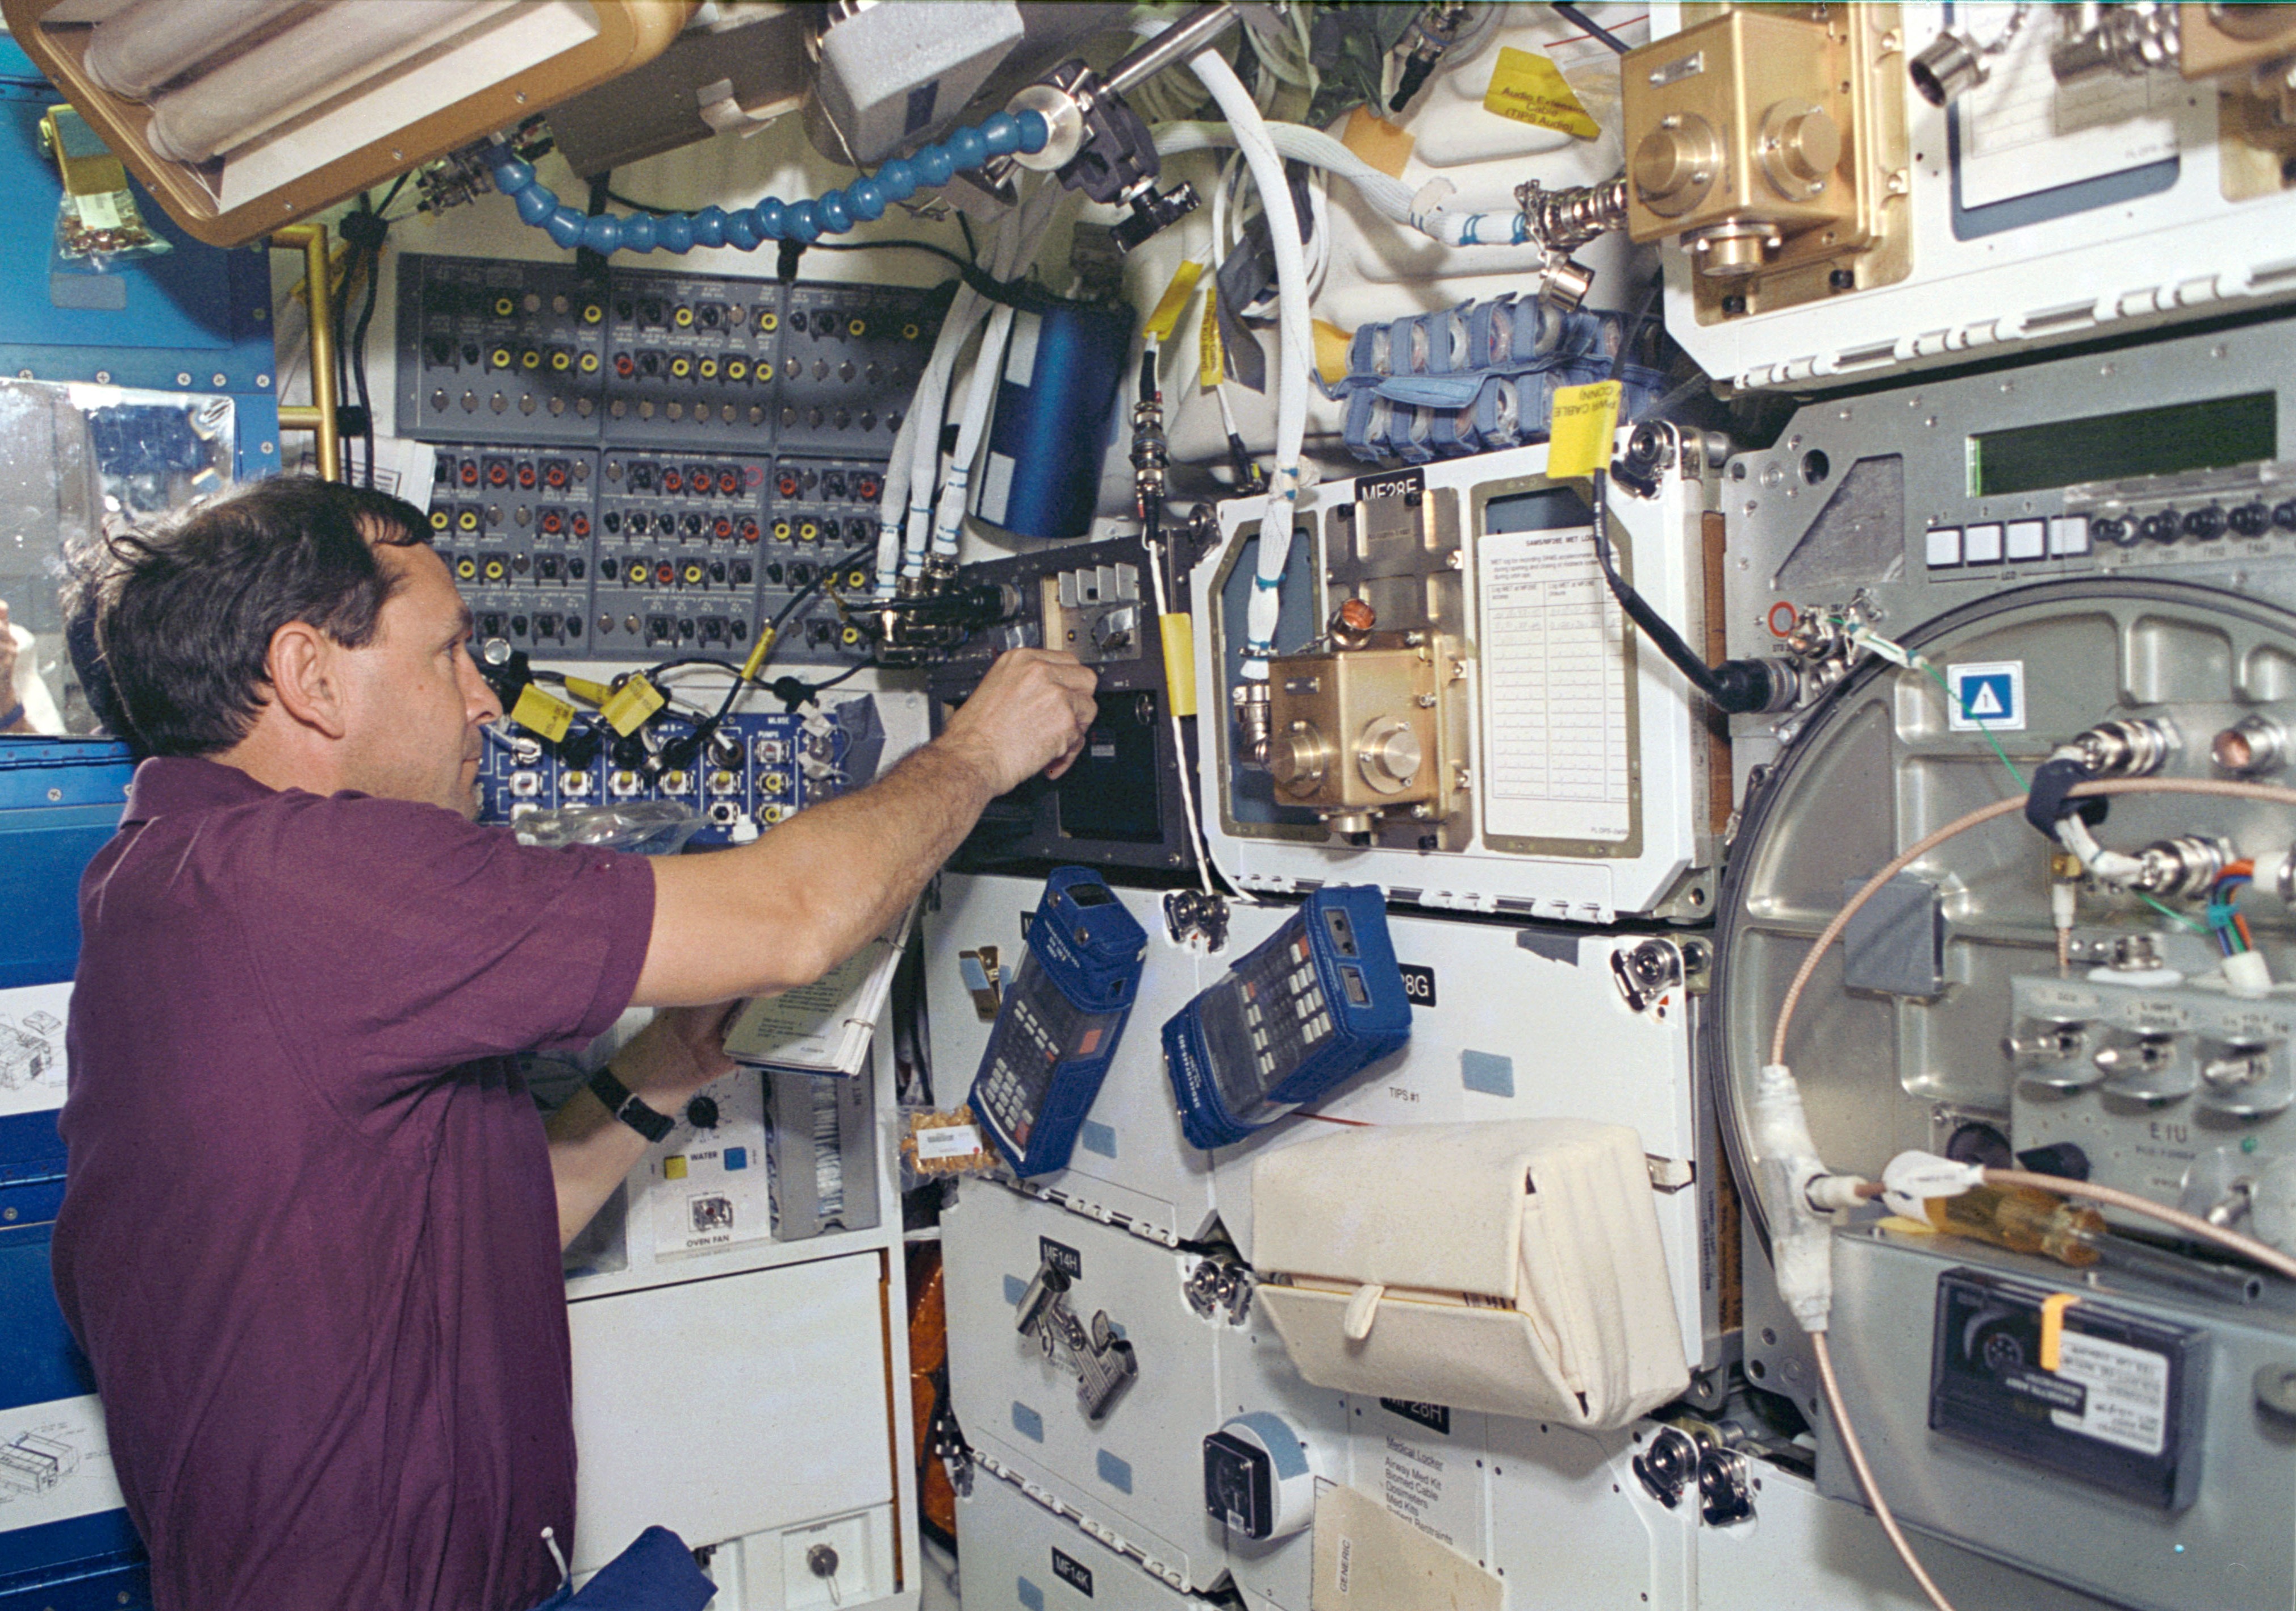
[625, 1105]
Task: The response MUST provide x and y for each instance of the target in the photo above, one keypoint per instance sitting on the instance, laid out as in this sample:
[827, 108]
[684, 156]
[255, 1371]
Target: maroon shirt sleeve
[409, 940]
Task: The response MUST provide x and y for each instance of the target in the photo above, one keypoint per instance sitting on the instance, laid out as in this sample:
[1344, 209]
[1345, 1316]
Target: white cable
[1422, 209]
[987, 367]
[1295, 353]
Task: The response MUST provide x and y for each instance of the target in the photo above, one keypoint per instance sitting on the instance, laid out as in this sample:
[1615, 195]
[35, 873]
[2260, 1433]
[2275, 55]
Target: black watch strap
[619, 1102]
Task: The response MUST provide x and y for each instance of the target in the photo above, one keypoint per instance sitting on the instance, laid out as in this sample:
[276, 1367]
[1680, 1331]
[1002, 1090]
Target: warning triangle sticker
[1986, 702]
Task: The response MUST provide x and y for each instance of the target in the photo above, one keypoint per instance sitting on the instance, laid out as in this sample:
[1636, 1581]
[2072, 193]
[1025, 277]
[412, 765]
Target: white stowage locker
[1017, 1555]
[756, 1434]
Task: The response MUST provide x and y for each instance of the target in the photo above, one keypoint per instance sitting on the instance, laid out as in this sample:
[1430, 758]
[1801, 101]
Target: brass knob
[1675, 164]
[1801, 147]
[1298, 759]
[1389, 755]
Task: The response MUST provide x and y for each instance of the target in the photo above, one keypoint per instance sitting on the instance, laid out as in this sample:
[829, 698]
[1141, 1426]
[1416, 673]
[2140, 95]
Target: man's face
[416, 700]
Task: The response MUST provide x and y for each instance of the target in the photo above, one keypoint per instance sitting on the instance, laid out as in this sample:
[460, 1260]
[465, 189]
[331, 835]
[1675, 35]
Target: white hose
[1421, 209]
[987, 369]
[1295, 353]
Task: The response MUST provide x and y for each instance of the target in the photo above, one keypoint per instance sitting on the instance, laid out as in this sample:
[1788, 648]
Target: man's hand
[677, 1053]
[1029, 715]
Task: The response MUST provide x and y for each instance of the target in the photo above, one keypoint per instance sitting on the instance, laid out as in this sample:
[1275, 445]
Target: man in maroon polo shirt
[311, 1230]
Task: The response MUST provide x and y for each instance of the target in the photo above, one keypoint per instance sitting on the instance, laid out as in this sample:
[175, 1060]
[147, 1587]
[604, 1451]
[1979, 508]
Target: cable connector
[1911, 1179]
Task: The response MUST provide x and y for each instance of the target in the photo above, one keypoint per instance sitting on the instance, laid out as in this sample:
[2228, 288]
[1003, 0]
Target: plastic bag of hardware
[938, 1144]
[1511, 1267]
[646, 827]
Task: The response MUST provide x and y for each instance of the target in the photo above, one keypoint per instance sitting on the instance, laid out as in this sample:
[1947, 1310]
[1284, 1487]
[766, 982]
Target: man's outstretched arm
[780, 913]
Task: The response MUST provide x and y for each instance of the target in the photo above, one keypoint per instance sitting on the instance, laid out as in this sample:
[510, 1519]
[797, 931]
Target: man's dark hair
[184, 615]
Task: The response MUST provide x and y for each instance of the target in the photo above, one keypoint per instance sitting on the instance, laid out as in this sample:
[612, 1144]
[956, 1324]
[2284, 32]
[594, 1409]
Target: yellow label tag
[626, 710]
[1377, 141]
[1331, 344]
[1179, 636]
[2053, 1325]
[1166, 318]
[595, 693]
[1530, 90]
[540, 711]
[1211, 357]
[1579, 437]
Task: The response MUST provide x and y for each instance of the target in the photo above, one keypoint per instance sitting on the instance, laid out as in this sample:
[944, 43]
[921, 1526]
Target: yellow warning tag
[540, 711]
[1377, 141]
[1179, 634]
[1578, 438]
[1331, 344]
[2053, 1325]
[626, 710]
[1175, 300]
[1211, 357]
[595, 693]
[1530, 90]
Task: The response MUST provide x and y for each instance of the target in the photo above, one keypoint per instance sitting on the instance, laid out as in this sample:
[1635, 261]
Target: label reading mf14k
[2091, 1392]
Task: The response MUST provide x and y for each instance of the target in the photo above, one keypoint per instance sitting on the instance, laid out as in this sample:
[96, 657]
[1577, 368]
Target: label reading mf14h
[1988, 698]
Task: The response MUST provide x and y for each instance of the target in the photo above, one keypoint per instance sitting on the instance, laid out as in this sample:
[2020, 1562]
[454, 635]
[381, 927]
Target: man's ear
[306, 680]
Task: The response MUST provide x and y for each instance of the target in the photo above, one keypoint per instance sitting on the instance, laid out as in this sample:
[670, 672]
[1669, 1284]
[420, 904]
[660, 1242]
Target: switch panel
[677, 553]
[498, 347]
[690, 360]
[851, 356]
[513, 525]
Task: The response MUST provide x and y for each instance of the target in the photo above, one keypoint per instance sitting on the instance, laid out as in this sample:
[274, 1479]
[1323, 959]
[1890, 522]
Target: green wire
[2168, 912]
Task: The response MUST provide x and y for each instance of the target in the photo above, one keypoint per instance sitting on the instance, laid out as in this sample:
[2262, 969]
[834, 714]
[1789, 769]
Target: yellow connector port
[693, 574]
[708, 369]
[532, 358]
[774, 783]
[468, 520]
[467, 568]
[560, 362]
[857, 579]
[735, 369]
[770, 815]
[780, 531]
[440, 520]
[769, 322]
[858, 327]
[495, 570]
[681, 366]
[909, 332]
[684, 316]
[504, 306]
[499, 358]
[850, 636]
[589, 364]
[592, 313]
[807, 532]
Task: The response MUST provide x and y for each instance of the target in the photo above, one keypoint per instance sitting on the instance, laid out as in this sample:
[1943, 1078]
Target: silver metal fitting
[2132, 746]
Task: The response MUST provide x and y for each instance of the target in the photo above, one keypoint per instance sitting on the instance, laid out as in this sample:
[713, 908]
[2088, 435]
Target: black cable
[1571, 13]
[1633, 330]
[365, 230]
[1734, 686]
[702, 732]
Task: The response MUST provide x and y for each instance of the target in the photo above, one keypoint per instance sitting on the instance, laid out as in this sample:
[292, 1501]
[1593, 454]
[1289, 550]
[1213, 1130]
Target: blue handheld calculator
[1058, 1025]
[1317, 1002]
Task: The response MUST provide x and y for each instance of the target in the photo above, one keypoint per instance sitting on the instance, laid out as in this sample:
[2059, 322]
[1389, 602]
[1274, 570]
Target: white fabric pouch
[1512, 1267]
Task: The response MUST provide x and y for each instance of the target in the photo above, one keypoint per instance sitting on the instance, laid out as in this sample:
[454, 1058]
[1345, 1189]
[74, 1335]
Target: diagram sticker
[1986, 698]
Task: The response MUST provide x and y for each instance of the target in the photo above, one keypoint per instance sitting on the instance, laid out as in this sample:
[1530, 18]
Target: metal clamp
[1103, 1362]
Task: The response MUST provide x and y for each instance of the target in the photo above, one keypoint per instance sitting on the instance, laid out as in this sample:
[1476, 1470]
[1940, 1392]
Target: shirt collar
[167, 784]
